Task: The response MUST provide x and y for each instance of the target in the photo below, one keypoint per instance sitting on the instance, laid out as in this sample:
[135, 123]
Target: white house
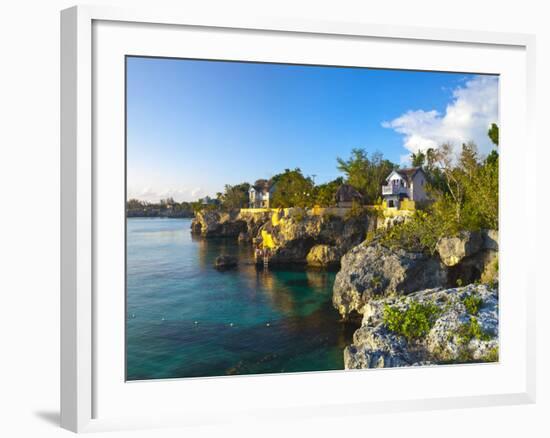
[404, 184]
[260, 194]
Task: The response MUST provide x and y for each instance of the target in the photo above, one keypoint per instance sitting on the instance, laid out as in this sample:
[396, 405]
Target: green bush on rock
[413, 322]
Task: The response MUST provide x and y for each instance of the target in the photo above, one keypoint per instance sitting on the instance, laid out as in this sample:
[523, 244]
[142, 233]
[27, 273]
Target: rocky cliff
[370, 270]
[292, 237]
[312, 239]
[209, 223]
[432, 326]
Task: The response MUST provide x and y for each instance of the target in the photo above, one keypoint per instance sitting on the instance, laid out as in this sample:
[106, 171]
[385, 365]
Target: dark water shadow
[51, 417]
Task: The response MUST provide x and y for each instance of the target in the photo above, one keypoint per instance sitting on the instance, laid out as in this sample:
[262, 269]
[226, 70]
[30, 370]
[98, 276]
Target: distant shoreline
[161, 214]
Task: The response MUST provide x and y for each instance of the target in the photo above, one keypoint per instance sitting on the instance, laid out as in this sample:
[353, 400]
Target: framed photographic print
[273, 207]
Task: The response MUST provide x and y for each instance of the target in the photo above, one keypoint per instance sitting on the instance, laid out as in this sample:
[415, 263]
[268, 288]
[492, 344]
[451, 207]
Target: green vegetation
[464, 191]
[493, 133]
[413, 322]
[234, 197]
[491, 356]
[473, 303]
[164, 208]
[366, 174]
[471, 330]
[293, 190]
[356, 211]
[324, 193]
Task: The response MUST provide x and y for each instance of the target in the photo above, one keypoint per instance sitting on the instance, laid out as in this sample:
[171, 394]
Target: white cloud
[467, 117]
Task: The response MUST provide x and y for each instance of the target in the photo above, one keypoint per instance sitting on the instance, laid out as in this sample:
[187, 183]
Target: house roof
[407, 173]
[347, 193]
[262, 185]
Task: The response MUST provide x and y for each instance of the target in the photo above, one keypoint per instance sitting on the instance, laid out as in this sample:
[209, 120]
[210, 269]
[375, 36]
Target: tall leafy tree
[234, 197]
[366, 173]
[293, 189]
[325, 193]
[418, 159]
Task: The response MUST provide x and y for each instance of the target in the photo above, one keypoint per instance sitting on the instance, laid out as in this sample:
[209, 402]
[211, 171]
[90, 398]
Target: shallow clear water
[186, 319]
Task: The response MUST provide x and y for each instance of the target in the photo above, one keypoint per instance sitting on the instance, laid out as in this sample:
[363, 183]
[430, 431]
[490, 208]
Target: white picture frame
[86, 380]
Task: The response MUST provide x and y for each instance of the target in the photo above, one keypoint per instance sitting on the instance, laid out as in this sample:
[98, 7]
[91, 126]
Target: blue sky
[193, 126]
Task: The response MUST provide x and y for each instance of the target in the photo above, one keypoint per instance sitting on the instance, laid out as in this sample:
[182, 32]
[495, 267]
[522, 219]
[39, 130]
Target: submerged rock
[225, 262]
[372, 270]
[464, 329]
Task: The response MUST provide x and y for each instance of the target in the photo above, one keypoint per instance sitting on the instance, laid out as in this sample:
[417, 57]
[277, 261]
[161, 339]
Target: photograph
[288, 218]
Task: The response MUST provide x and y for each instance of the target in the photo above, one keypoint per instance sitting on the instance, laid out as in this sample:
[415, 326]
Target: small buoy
[230, 324]
[133, 315]
[267, 325]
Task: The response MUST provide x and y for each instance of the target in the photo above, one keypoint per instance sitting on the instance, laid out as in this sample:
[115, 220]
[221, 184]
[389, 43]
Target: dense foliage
[293, 189]
[366, 173]
[325, 193]
[464, 193]
[234, 197]
[413, 322]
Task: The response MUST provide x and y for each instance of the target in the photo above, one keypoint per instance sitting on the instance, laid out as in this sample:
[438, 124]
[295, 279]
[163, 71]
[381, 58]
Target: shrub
[420, 233]
[413, 322]
[472, 303]
[356, 210]
[471, 330]
[491, 356]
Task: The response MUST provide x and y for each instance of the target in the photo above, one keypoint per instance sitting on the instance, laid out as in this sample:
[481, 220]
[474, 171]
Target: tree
[366, 174]
[418, 159]
[493, 133]
[234, 197]
[293, 189]
[325, 193]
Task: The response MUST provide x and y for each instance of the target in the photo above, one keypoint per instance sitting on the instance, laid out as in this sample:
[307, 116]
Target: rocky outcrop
[323, 255]
[254, 221]
[371, 271]
[210, 223]
[490, 239]
[453, 249]
[470, 256]
[312, 239]
[461, 326]
[223, 262]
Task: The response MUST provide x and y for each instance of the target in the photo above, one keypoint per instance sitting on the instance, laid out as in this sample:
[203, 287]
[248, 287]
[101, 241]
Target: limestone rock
[318, 240]
[449, 340]
[225, 262]
[372, 270]
[453, 249]
[490, 239]
[212, 223]
[323, 255]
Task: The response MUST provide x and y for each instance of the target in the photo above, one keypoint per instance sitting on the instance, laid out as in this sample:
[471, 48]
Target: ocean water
[186, 319]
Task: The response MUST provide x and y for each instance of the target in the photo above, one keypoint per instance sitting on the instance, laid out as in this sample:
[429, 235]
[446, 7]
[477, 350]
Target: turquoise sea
[186, 319]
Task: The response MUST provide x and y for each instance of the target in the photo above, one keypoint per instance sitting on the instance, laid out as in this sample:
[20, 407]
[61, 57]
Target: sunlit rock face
[372, 270]
[209, 223]
[458, 333]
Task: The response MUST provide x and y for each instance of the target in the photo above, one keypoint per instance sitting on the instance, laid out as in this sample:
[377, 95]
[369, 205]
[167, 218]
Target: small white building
[260, 194]
[404, 184]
